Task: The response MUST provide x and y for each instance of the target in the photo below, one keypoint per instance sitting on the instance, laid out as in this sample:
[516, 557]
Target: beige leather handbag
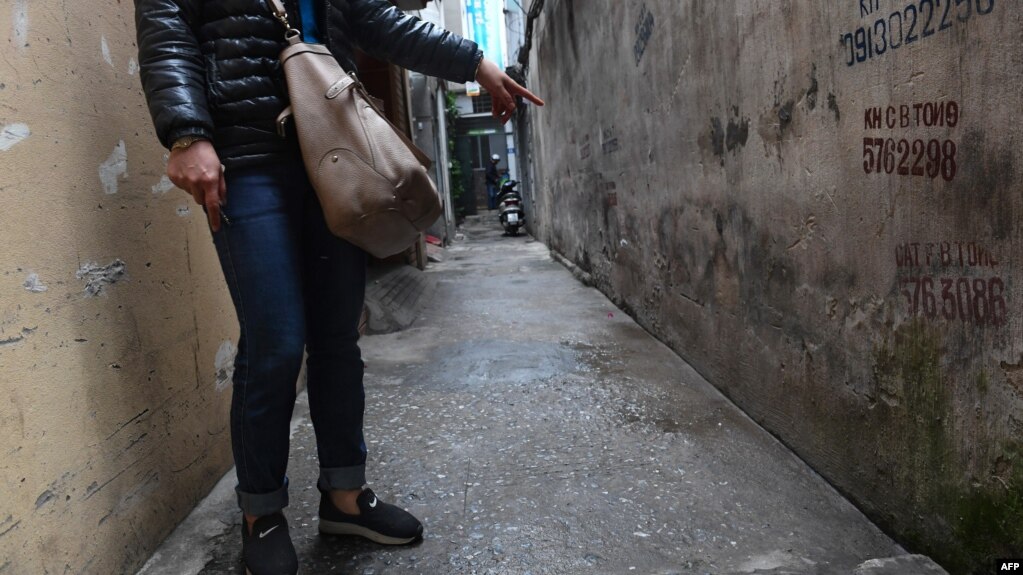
[371, 180]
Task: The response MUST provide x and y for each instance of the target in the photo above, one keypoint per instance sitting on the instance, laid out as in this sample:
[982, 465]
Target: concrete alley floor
[536, 429]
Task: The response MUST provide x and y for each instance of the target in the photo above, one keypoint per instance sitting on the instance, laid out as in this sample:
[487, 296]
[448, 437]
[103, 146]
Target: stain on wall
[112, 305]
[817, 205]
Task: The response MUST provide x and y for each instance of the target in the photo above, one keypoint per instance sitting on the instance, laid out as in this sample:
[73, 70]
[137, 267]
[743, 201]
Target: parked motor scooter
[509, 204]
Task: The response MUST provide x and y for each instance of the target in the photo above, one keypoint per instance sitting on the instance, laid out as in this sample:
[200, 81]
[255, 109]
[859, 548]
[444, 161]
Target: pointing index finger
[528, 95]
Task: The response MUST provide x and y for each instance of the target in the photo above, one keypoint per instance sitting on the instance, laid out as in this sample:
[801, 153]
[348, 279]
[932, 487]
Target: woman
[215, 87]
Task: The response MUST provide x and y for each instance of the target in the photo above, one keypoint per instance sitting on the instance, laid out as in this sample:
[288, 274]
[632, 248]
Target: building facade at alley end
[818, 205]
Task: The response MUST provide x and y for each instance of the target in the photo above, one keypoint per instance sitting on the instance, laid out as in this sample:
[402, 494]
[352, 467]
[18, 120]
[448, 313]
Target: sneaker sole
[335, 528]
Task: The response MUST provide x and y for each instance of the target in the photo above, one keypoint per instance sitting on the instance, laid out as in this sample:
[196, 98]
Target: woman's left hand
[502, 90]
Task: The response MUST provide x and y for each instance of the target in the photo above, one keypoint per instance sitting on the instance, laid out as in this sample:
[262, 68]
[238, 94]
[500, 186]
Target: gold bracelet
[184, 142]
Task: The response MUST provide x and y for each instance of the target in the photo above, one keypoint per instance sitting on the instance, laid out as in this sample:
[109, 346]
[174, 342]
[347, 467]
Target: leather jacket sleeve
[386, 33]
[172, 68]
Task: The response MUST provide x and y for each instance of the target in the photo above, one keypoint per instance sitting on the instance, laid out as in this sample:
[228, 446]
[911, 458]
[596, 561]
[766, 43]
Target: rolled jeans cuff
[336, 478]
[261, 504]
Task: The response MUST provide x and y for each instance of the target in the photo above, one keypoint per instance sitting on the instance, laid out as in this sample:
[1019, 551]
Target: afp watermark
[1009, 565]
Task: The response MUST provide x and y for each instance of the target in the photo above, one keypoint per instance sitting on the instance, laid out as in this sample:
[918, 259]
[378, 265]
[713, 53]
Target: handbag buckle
[282, 17]
[336, 88]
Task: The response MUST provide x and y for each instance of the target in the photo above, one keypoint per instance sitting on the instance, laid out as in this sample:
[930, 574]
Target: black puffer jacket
[210, 68]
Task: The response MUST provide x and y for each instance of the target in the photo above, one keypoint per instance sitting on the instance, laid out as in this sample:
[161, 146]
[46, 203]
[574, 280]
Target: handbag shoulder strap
[281, 13]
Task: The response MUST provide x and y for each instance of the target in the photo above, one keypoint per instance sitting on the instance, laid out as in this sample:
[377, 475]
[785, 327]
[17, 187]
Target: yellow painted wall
[116, 329]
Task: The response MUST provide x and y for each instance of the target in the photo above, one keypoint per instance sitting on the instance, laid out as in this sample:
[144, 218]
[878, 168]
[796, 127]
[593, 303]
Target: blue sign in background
[483, 18]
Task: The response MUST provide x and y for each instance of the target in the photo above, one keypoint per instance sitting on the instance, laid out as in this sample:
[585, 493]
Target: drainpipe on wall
[534, 12]
[445, 163]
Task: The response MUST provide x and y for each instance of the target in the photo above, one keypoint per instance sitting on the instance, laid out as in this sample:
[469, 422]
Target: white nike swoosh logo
[263, 534]
[373, 504]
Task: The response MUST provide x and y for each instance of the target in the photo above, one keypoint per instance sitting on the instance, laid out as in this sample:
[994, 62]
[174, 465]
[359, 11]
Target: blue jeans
[492, 196]
[296, 287]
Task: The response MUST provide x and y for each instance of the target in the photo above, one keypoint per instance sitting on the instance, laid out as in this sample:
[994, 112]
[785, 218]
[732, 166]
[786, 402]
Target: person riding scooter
[511, 214]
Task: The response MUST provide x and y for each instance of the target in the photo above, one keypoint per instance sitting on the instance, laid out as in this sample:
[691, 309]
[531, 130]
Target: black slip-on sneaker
[268, 549]
[380, 522]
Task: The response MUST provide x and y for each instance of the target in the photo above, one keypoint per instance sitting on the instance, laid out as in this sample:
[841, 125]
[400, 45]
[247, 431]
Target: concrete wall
[705, 162]
[116, 333]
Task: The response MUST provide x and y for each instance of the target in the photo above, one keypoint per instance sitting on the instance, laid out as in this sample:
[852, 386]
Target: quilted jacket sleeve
[385, 32]
[172, 68]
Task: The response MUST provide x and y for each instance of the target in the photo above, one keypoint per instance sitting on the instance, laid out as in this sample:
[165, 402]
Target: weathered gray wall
[704, 161]
[116, 329]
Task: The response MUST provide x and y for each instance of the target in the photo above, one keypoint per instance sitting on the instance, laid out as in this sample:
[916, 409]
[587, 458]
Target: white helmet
[495, 158]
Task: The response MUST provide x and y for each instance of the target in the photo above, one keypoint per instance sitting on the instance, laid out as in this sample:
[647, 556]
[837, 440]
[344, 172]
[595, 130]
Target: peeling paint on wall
[184, 211]
[163, 186]
[25, 332]
[224, 364]
[33, 284]
[13, 134]
[105, 49]
[98, 277]
[11, 340]
[133, 66]
[19, 18]
[114, 168]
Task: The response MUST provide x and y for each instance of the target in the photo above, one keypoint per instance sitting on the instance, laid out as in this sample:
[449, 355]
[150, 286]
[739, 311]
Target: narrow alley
[536, 429]
[767, 318]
